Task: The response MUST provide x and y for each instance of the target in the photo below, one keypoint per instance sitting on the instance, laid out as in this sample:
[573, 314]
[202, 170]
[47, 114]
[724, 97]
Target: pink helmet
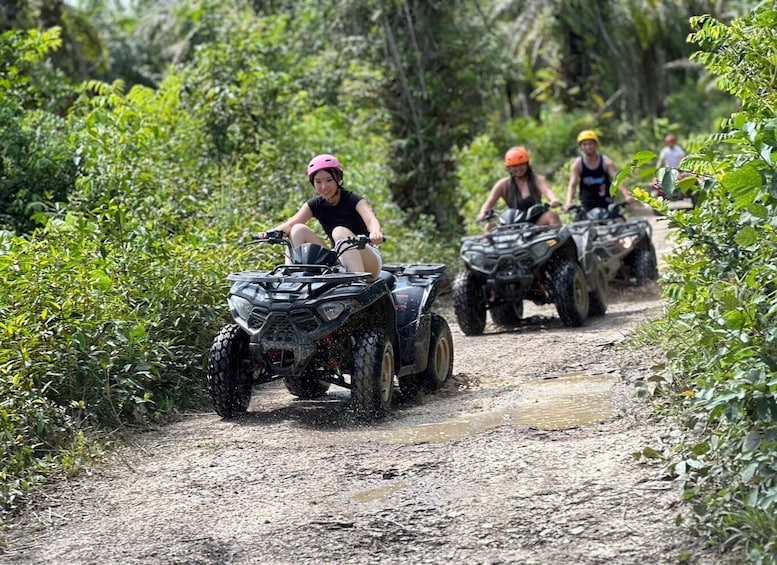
[325, 161]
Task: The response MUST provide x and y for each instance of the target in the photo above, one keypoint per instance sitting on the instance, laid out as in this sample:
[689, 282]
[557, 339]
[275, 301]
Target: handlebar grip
[271, 236]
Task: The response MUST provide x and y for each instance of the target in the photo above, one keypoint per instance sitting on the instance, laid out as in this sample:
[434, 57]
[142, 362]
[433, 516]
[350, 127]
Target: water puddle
[378, 494]
[569, 401]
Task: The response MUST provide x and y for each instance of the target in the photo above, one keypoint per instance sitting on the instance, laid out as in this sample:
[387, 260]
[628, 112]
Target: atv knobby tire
[644, 265]
[305, 386]
[372, 381]
[570, 293]
[439, 364]
[230, 372]
[469, 303]
[507, 315]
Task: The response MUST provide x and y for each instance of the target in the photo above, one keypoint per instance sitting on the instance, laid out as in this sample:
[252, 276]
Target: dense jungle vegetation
[141, 142]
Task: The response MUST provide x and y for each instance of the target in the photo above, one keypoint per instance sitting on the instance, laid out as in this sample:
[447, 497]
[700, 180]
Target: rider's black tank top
[594, 185]
[514, 199]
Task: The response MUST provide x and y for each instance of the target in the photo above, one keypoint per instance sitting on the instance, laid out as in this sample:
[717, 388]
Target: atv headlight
[540, 249]
[475, 258]
[332, 310]
[240, 306]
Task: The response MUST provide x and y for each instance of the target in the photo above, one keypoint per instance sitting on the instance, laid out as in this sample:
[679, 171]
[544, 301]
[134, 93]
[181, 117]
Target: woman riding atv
[522, 189]
[341, 213]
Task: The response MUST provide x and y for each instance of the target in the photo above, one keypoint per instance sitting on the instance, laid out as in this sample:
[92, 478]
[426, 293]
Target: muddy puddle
[379, 494]
[565, 402]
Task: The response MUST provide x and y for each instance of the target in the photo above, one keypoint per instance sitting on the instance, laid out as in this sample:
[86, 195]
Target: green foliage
[721, 292]
[102, 332]
[38, 169]
[478, 166]
[36, 166]
[695, 106]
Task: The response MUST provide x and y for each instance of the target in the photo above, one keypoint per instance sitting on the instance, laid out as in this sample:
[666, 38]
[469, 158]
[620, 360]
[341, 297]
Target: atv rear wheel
[597, 298]
[439, 364]
[230, 372]
[372, 381]
[469, 303]
[507, 315]
[305, 386]
[570, 293]
[644, 265]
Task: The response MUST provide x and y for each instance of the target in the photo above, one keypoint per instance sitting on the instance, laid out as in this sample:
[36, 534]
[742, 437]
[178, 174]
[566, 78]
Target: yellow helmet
[587, 135]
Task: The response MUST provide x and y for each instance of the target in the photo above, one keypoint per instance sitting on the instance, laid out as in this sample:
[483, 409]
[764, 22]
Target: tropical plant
[721, 290]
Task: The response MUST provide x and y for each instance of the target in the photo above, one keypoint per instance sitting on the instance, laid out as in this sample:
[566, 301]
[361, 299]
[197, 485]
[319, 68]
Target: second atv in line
[519, 261]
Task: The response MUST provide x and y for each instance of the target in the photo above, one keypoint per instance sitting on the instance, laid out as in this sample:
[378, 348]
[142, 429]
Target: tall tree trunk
[434, 106]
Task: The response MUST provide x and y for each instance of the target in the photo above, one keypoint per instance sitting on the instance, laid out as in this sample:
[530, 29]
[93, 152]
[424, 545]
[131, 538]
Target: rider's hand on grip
[488, 215]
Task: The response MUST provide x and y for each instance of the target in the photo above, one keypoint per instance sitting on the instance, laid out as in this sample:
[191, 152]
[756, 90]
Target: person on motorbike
[342, 214]
[592, 173]
[521, 189]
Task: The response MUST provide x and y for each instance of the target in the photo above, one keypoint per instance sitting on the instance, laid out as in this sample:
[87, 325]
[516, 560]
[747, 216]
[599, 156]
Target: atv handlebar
[279, 237]
[613, 211]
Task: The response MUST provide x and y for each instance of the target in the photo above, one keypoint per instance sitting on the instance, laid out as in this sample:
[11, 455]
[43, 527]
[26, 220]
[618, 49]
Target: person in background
[592, 174]
[342, 214]
[671, 154]
[521, 189]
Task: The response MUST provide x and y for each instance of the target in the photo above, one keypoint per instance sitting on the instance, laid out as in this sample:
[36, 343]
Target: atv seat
[388, 278]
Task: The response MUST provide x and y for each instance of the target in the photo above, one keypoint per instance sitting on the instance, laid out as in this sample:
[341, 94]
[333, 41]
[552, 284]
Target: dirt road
[526, 456]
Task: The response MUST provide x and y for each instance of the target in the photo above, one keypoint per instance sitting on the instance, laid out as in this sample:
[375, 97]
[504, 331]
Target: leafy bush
[37, 170]
[721, 291]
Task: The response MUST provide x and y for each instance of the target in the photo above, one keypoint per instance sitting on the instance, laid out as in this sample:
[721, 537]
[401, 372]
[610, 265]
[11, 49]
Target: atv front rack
[415, 269]
[611, 228]
[297, 282]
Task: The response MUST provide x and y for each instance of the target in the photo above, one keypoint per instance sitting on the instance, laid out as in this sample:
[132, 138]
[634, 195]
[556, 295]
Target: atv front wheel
[570, 293]
[469, 303]
[644, 265]
[372, 381]
[230, 372]
[305, 386]
[507, 315]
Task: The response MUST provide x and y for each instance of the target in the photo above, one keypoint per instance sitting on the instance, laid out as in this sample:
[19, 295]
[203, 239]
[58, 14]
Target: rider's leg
[300, 233]
[371, 260]
[352, 259]
[549, 219]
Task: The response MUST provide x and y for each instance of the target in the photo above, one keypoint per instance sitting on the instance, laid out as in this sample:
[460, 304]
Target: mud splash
[568, 401]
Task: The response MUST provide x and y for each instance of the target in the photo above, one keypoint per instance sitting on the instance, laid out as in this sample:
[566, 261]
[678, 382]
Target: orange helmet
[587, 135]
[516, 156]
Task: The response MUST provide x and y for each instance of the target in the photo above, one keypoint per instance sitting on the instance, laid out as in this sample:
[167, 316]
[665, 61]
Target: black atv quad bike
[313, 324]
[519, 260]
[624, 246]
